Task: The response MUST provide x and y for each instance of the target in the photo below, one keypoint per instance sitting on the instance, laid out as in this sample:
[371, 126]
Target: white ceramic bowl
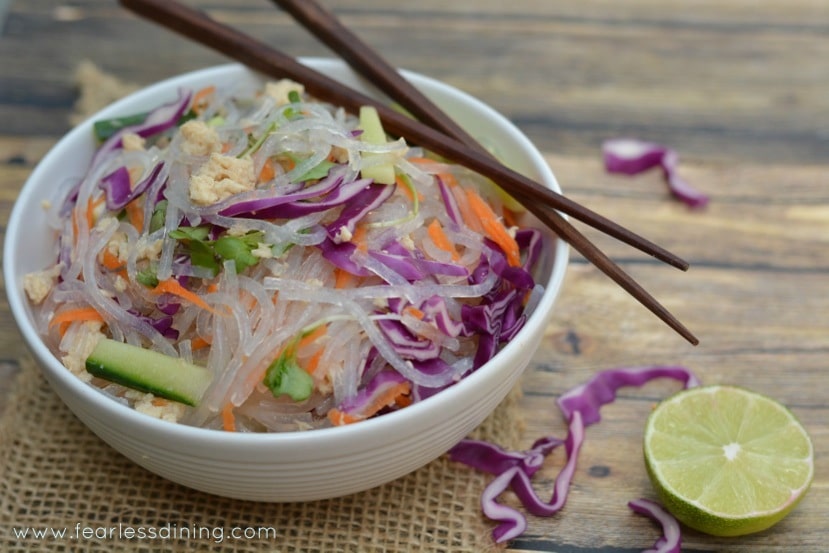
[295, 466]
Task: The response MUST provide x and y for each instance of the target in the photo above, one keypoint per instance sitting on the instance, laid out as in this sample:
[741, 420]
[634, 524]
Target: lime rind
[727, 461]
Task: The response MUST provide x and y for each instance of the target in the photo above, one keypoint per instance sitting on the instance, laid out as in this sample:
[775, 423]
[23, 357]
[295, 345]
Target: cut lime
[727, 461]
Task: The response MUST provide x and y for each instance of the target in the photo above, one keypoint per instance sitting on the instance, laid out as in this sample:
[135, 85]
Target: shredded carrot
[90, 211]
[467, 213]
[268, 171]
[450, 179]
[198, 343]
[403, 400]
[440, 239]
[201, 99]
[384, 399]
[414, 312]
[338, 418]
[159, 402]
[510, 217]
[65, 318]
[406, 189]
[312, 337]
[313, 362]
[172, 286]
[135, 213]
[343, 279]
[494, 228]
[89, 215]
[358, 237]
[212, 287]
[111, 261]
[228, 418]
[417, 159]
[79, 314]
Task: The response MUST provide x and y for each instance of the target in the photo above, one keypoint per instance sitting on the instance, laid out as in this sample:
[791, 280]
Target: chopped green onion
[285, 377]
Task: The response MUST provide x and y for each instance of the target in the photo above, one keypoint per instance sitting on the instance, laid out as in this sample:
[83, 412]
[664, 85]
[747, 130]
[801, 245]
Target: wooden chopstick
[258, 56]
[369, 63]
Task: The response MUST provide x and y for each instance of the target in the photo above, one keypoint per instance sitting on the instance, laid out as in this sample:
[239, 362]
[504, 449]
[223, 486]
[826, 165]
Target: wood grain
[738, 87]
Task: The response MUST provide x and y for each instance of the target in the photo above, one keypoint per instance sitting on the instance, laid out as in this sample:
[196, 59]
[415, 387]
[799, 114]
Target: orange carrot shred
[467, 213]
[228, 418]
[172, 286]
[135, 213]
[90, 213]
[338, 418]
[79, 314]
[494, 228]
[384, 399]
[343, 279]
[201, 98]
[313, 362]
[268, 171]
[449, 179]
[510, 217]
[312, 337]
[403, 400]
[440, 239]
[198, 343]
[111, 261]
[65, 318]
[414, 312]
[358, 237]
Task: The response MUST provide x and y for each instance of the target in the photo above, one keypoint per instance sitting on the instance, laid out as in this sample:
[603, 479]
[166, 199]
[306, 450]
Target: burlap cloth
[56, 474]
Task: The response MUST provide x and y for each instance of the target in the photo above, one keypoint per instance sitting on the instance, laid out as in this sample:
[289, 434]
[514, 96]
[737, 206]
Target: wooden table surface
[740, 88]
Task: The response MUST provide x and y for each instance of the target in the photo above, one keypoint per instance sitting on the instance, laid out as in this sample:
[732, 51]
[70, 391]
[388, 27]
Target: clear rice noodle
[234, 229]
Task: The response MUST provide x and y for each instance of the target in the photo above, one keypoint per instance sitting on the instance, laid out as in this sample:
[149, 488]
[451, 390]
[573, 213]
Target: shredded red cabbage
[631, 157]
[119, 190]
[671, 539]
[580, 407]
[159, 120]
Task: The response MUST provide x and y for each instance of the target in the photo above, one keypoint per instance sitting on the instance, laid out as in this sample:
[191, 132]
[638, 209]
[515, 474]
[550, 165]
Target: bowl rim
[49, 364]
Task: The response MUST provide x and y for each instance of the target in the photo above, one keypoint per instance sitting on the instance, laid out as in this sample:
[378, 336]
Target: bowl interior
[30, 246]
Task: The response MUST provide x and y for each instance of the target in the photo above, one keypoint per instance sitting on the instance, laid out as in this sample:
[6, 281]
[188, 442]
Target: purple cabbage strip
[357, 404]
[671, 539]
[436, 310]
[630, 157]
[340, 255]
[406, 344]
[271, 207]
[118, 190]
[159, 120]
[370, 198]
[116, 187]
[602, 387]
[414, 265]
[531, 241]
[449, 201]
[580, 407]
[488, 457]
[164, 325]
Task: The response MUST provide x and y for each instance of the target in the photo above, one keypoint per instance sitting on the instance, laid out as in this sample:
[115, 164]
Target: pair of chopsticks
[432, 130]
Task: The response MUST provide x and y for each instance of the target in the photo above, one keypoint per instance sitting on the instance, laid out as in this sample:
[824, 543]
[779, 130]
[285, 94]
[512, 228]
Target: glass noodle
[244, 231]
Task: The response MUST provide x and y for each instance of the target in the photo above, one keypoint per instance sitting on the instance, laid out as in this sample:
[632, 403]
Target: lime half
[727, 461]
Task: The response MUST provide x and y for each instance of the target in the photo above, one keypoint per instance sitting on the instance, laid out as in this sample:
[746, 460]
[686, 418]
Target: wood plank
[586, 71]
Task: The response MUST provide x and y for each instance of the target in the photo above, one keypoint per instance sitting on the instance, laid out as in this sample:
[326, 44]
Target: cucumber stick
[148, 371]
[373, 133]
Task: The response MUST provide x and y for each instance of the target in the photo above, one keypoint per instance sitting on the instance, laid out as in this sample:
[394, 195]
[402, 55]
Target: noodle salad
[255, 260]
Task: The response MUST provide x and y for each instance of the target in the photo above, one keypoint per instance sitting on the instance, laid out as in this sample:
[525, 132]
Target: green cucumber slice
[149, 371]
[373, 133]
